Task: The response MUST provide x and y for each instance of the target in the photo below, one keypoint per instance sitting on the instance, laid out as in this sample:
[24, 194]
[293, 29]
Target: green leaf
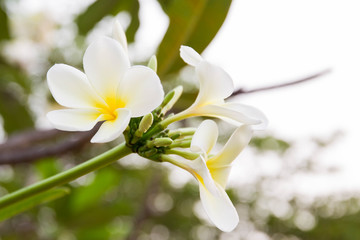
[4, 24]
[101, 8]
[29, 203]
[192, 23]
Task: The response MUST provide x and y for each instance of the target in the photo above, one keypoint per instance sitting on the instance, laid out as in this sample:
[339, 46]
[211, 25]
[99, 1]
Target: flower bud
[160, 142]
[144, 125]
[153, 63]
[171, 98]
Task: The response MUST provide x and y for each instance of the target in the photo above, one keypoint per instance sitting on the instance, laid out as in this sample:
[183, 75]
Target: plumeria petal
[199, 170]
[119, 35]
[111, 130]
[219, 164]
[141, 90]
[105, 63]
[251, 112]
[190, 56]
[221, 175]
[71, 88]
[236, 143]
[215, 84]
[219, 208]
[202, 174]
[74, 119]
[205, 137]
[222, 111]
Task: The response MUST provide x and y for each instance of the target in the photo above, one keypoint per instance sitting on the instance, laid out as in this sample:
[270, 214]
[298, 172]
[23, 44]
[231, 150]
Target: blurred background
[297, 180]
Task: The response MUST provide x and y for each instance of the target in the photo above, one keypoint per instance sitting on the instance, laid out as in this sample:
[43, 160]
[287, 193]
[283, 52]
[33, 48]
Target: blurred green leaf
[4, 24]
[29, 203]
[101, 8]
[15, 113]
[11, 74]
[15, 87]
[192, 23]
[47, 167]
[344, 228]
[269, 143]
[89, 196]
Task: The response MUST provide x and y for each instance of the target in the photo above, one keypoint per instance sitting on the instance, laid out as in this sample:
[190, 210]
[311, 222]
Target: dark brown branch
[24, 147]
[28, 138]
[308, 78]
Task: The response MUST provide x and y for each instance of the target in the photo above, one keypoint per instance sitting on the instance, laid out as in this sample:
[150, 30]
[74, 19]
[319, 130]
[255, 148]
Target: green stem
[166, 158]
[177, 117]
[93, 164]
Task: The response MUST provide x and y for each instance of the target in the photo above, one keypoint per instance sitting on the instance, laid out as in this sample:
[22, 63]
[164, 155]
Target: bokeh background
[297, 180]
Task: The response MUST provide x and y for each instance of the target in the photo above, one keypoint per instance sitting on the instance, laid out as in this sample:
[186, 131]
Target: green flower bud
[153, 63]
[163, 142]
[170, 99]
[175, 136]
[160, 142]
[150, 152]
[144, 125]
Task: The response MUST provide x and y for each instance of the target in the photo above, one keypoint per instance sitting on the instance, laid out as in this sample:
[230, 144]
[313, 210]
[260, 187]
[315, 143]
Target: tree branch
[32, 145]
[281, 85]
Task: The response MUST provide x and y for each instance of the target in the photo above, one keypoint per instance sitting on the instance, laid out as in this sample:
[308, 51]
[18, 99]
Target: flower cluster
[130, 100]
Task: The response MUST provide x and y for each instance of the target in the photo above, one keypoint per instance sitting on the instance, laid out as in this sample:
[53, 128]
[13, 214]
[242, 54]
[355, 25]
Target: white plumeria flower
[110, 90]
[212, 172]
[215, 86]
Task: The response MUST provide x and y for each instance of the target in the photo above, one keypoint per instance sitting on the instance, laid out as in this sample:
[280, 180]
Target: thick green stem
[64, 177]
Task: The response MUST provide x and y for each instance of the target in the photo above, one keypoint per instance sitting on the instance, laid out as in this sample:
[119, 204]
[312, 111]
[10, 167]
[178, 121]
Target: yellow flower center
[109, 110]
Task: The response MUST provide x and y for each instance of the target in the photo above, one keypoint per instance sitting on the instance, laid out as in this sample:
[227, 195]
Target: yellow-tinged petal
[112, 129]
[219, 208]
[140, 90]
[105, 63]
[221, 175]
[237, 142]
[74, 119]
[205, 137]
[220, 164]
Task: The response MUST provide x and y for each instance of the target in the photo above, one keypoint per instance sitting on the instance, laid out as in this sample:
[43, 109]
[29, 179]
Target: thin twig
[308, 78]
